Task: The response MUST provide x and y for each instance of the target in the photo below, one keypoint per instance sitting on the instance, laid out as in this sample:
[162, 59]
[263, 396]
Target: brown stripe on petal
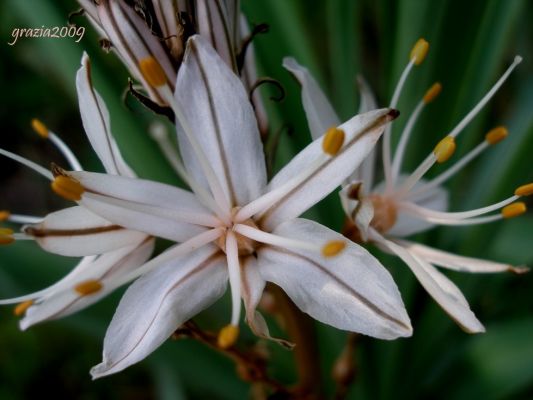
[218, 133]
[94, 99]
[38, 232]
[213, 257]
[362, 299]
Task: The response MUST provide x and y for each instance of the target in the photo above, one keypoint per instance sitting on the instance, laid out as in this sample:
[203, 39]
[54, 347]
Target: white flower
[234, 226]
[109, 251]
[404, 205]
[135, 32]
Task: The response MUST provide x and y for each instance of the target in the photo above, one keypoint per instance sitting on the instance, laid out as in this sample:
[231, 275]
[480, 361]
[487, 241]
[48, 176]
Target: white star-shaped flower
[385, 213]
[233, 226]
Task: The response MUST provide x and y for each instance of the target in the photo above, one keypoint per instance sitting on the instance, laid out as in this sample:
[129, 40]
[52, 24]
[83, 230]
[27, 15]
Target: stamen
[417, 55]
[444, 149]
[67, 187]
[447, 147]
[524, 190]
[234, 271]
[88, 287]
[177, 251]
[419, 211]
[159, 133]
[4, 215]
[464, 222]
[514, 210]
[466, 120]
[333, 141]
[65, 151]
[30, 164]
[39, 128]
[152, 72]
[272, 239]
[22, 307]
[432, 93]
[333, 248]
[22, 219]
[496, 135]
[6, 236]
[228, 336]
[419, 51]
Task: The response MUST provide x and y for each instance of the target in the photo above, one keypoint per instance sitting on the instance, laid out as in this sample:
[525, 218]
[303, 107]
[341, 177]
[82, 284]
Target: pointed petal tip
[393, 114]
[518, 270]
[475, 329]
[24, 324]
[99, 371]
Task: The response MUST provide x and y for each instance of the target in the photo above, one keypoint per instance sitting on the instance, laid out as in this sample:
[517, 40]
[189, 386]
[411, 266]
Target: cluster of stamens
[402, 196]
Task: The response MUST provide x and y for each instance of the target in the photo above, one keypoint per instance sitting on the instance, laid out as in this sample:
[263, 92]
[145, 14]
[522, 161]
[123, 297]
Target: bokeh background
[471, 45]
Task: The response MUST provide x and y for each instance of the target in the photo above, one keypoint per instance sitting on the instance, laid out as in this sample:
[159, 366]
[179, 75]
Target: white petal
[212, 23]
[139, 190]
[223, 121]
[318, 109]
[95, 118]
[361, 210]
[456, 262]
[62, 300]
[445, 293]
[333, 171]
[133, 40]
[78, 232]
[365, 172]
[144, 192]
[368, 99]
[252, 288]
[84, 264]
[155, 305]
[166, 224]
[351, 291]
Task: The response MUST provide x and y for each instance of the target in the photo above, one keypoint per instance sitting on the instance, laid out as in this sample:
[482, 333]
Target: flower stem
[301, 330]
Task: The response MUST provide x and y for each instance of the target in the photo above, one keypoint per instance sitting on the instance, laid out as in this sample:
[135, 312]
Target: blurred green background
[471, 45]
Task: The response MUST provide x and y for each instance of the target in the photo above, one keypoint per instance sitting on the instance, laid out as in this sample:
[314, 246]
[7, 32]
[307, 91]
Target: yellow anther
[333, 141]
[4, 215]
[152, 72]
[333, 248]
[445, 149]
[524, 190]
[514, 210]
[88, 287]
[496, 135]
[419, 51]
[228, 336]
[67, 187]
[432, 93]
[22, 307]
[6, 236]
[39, 128]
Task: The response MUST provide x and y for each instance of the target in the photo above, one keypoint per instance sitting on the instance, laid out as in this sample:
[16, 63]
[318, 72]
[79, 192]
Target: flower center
[245, 245]
[385, 213]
